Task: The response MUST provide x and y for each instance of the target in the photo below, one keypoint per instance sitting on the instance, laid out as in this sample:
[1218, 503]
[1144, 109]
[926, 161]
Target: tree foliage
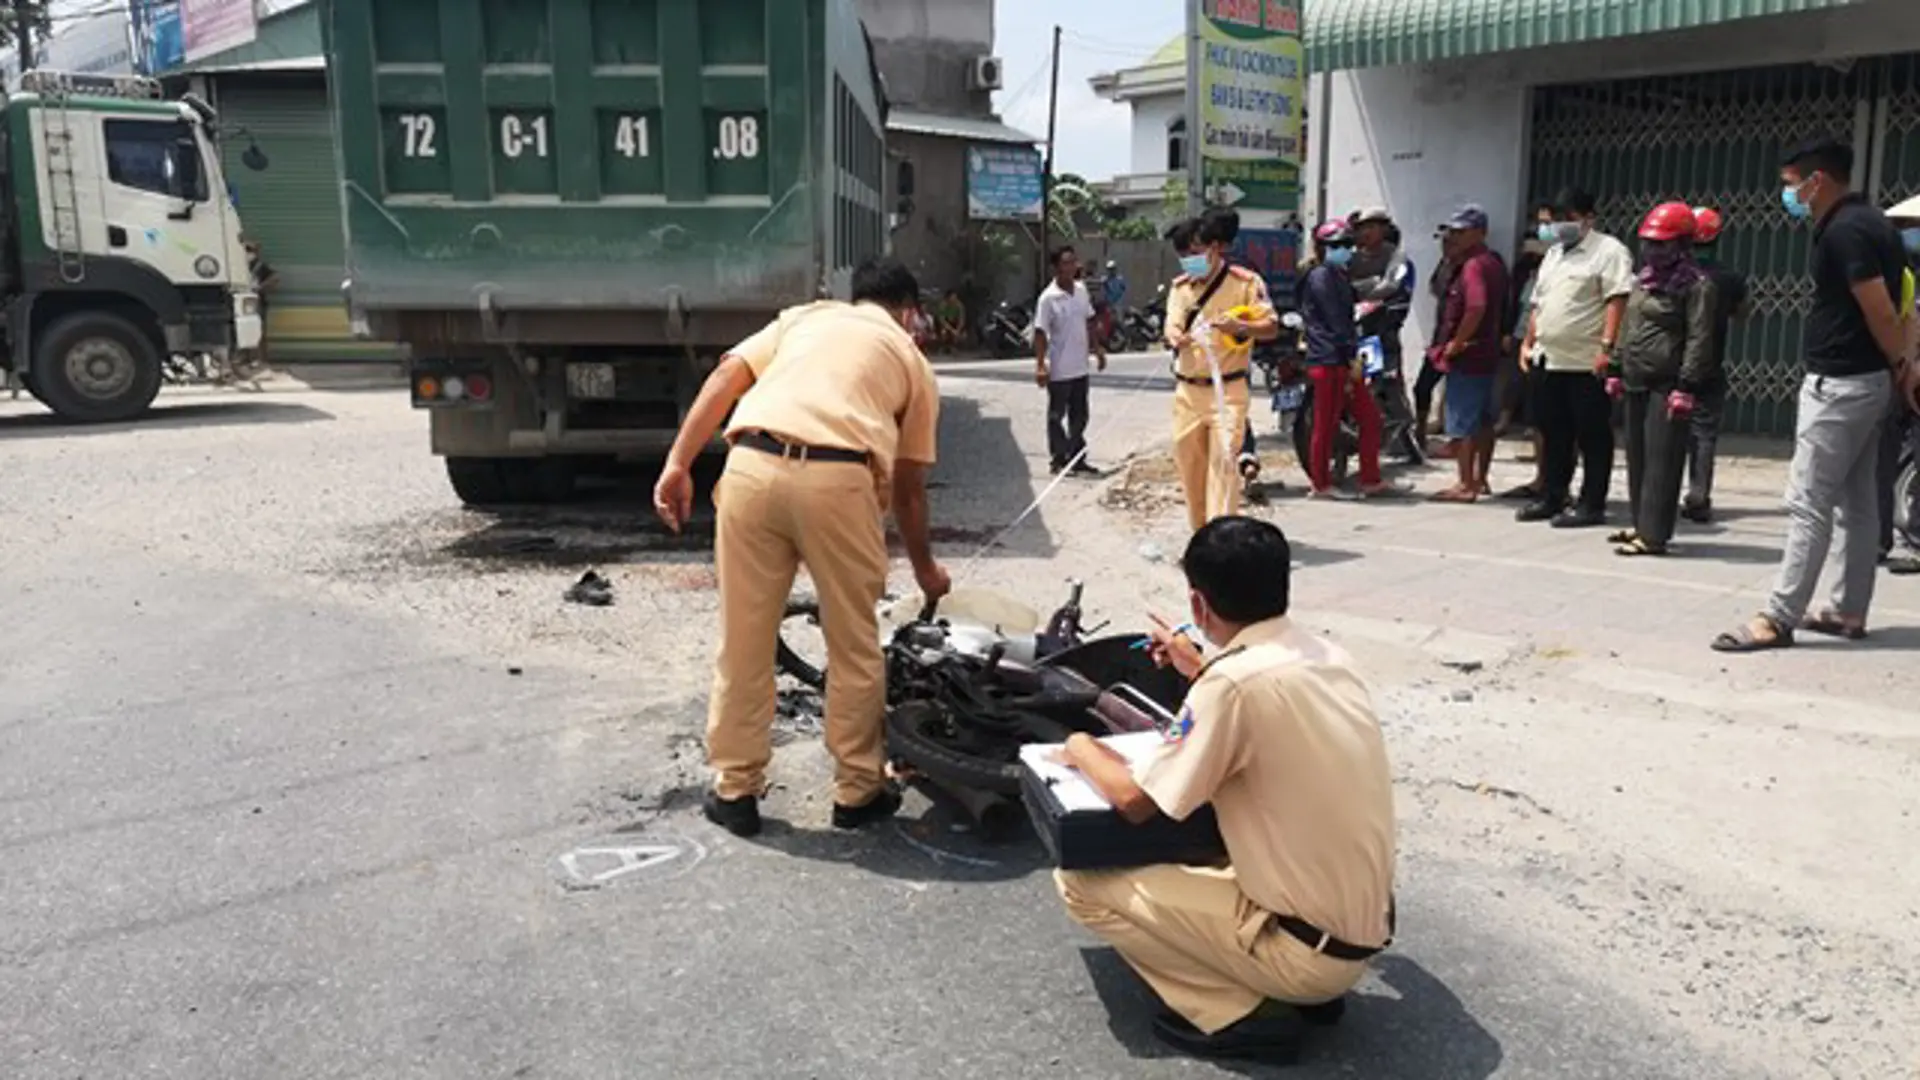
[35, 15]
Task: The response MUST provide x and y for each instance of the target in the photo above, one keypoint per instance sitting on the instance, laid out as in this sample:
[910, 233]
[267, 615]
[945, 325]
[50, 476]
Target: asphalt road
[307, 772]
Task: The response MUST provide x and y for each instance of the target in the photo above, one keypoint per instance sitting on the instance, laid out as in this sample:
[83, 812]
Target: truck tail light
[479, 388]
[428, 388]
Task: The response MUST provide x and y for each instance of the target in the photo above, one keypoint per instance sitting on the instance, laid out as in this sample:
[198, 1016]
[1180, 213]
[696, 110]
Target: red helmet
[1668, 221]
[1707, 224]
[1334, 231]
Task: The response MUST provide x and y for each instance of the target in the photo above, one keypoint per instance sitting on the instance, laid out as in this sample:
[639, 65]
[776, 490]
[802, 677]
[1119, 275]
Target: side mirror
[254, 158]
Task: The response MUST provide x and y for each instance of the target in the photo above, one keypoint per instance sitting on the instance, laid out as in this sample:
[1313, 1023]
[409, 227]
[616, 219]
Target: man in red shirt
[1467, 347]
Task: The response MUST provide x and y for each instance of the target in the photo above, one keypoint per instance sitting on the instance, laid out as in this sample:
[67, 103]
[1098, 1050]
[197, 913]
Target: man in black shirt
[1854, 344]
[1730, 297]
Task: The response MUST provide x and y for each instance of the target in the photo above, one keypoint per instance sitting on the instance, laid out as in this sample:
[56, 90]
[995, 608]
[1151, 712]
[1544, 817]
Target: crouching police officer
[834, 410]
[1277, 733]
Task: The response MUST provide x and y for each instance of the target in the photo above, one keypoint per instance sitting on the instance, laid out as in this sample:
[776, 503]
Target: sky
[1094, 136]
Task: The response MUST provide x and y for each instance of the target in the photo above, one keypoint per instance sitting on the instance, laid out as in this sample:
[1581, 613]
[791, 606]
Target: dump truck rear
[567, 209]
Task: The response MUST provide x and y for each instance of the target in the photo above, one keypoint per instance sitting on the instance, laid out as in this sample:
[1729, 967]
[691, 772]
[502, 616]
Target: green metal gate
[1716, 139]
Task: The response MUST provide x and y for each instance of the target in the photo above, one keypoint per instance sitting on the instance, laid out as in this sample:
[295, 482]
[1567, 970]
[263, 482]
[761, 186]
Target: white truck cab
[122, 248]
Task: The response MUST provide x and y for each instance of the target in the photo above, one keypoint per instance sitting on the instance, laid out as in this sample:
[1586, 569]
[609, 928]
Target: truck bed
[571, 155]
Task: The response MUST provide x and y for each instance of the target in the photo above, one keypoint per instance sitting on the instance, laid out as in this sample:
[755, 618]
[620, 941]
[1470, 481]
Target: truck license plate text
[590, 382]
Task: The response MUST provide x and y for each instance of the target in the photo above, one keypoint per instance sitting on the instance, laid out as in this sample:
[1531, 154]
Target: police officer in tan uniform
[1206, 291]
[1279, 735]
[834, 411]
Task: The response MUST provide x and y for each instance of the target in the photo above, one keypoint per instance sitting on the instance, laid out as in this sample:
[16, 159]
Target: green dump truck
[567, 209]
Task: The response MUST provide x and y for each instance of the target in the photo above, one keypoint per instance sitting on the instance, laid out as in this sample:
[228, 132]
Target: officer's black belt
[1207, 380]
[767, 444]
[1322, 942]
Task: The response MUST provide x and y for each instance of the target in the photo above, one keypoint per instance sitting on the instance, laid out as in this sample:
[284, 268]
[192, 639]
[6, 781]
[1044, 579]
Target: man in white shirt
[1063, 335]
[1579, 299]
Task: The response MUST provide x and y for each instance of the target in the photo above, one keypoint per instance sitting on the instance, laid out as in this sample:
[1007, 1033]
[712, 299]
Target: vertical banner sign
[1252, 94]
[211, 26]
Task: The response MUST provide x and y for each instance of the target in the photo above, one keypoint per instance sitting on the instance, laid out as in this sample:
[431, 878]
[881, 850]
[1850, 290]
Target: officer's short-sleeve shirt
[1243, 288]
[1280, 736]
[832, 374]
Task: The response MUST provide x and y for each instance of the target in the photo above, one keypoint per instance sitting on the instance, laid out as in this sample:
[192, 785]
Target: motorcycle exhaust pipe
[997, 817]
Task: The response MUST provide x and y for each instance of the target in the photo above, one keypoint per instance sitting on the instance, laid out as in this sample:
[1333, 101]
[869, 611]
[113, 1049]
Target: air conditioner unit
[985, 73]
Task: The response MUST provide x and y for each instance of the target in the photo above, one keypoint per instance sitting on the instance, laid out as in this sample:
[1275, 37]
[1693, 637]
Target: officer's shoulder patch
[1242, 272]
[1182, 280]
[1182, 725]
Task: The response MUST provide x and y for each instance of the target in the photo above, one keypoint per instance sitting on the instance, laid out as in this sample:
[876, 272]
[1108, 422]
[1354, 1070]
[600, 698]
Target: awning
[1345, 34]
[970, 128]
[289, 64]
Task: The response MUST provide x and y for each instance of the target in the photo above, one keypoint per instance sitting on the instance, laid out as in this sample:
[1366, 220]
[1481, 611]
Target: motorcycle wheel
[1903, 496]
[791, 663]
[914, 735]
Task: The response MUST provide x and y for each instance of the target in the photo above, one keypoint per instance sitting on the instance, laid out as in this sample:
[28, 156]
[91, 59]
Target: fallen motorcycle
[976, 678]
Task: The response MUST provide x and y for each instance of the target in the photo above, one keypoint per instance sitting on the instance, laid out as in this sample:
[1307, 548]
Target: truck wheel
[488, 482]
[477, 481]
[95, 368]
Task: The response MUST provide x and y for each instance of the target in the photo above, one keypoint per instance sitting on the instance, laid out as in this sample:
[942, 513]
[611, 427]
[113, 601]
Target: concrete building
[90, 41]
[1432, 105]
[937, 59]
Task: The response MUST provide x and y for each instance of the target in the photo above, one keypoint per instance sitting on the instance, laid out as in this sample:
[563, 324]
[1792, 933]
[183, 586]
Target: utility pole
[1046, 167]
[23, 35]
[1196, 152]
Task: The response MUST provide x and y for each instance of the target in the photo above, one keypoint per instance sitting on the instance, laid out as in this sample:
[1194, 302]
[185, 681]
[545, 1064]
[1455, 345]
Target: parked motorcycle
[1144, 328]
[1007, 331]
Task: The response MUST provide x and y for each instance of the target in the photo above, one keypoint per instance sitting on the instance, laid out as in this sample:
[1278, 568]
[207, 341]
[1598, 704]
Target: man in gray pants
[1854, 346]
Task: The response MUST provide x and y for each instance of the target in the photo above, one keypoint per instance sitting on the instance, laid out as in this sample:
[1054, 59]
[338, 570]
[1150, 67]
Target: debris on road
[592, 590]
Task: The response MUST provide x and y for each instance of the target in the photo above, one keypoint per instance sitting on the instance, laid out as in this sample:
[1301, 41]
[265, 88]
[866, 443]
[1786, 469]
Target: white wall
[1150, 118]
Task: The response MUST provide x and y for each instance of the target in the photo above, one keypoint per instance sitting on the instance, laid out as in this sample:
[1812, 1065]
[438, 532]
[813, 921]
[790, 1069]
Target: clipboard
[1081, 831]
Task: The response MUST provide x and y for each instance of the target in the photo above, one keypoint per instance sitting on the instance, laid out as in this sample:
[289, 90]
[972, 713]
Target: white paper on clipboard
[1070, 784]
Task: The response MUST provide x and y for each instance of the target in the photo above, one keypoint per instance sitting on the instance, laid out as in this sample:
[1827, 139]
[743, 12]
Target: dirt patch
[1150, 483]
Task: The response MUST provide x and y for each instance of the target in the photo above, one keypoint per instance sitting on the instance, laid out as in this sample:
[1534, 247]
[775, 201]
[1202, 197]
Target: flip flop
[1827, 624]
[1462, 498]
[1624, 536]
[1743, 641]
[1637, 547]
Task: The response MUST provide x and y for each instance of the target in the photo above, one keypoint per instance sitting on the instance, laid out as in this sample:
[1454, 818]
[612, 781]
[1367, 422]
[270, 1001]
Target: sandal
[1827, 624]
[1744, 641]
[1637, 546]
[1624, 536]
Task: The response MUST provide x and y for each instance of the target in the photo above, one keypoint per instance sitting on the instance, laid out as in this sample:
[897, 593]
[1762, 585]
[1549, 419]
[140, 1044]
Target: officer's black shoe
[1271, 1034]
[1580, 517]
[878, 809]
[740, 816]
[1083, 467]
[1539, 511]
[1325, 1014]
[1700, 513]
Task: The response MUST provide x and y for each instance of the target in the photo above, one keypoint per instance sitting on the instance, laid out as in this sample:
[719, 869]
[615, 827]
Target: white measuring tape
[1128, 403]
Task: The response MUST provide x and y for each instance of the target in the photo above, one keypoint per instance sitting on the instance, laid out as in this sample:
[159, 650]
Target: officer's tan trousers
[776, 514]
[1199, 942]
[1208, 475]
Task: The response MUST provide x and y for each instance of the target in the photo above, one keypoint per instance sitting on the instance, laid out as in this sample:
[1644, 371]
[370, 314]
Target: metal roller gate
[1716, 139]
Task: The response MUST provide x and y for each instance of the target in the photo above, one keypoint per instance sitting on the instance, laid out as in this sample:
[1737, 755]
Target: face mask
[1662, 256]
[1565, 233]
[1796, 206]
[1339, 256]
[1911, 237]
[1547, 232]
[1193, 265]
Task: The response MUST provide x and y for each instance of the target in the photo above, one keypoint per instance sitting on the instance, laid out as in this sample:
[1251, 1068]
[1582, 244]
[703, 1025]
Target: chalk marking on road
[1827, 713]
[628, 858]
[938, 855]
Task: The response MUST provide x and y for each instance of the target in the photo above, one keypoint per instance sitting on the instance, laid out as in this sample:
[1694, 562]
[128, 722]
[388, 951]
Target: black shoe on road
[1271, 1034]
[1325, 1014]
[740, 816]
[1539, 511]
[1700, 513]
[878, 809]
[1580, 517]
[1083, 467]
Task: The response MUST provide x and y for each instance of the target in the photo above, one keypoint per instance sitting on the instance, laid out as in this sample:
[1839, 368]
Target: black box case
[1103, 840]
